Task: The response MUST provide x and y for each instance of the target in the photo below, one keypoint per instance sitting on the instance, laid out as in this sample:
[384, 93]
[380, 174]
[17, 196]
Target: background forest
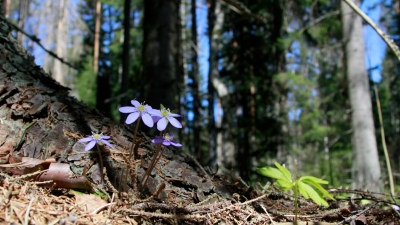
[255, 81]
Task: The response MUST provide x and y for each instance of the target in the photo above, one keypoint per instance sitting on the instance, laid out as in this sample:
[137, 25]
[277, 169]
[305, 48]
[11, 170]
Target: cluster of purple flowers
[162, 117]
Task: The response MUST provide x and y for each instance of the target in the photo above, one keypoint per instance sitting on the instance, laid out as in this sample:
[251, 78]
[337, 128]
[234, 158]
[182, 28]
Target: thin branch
[35, 39]
[392, 45]
[384, 147]
[319, 19]
[242, 9]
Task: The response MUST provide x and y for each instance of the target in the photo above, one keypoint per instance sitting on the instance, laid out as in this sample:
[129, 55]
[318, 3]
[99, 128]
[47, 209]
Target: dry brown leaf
[89, 202]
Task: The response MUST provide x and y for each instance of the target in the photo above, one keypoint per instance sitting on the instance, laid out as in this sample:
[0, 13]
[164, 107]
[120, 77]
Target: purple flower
[95, 139]
[144, 111]
[166, 140]
[166, 116]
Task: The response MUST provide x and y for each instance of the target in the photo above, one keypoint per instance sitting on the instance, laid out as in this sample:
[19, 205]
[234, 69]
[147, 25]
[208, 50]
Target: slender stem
[151, 166]
[296, 202]
[157, 155]
[100, 162]
[385, 151]
[131, 152]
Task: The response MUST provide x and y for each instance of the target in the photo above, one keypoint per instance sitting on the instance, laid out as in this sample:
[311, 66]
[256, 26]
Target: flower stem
[100, 163]
[157, 155]
[132, 149]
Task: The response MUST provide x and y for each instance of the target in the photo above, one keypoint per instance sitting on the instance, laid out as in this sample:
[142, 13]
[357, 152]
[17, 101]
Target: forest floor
[24, 202]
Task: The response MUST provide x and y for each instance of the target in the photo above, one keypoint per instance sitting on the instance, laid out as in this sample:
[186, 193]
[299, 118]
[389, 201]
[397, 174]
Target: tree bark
[365, 168]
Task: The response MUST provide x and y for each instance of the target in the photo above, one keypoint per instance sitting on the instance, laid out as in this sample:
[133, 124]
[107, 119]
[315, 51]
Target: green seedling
[307, 186]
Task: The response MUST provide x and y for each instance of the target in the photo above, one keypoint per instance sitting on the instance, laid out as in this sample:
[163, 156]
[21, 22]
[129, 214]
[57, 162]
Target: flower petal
[176, 144]
[90, 145]
[132, 117]
[107, 143]
[127, 109]
[155, 112]
[166, 143]
[174, 122]
[147, 120]
[157, 140]
[156, 118]
[105, 137]
[174, 115]
[162, 124]
[86, 139]
[135, 103]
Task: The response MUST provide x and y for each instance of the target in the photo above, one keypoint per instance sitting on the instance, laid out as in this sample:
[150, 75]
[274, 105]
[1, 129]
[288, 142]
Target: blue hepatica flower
[95, 139]
[166, 140]
[144, 111]
[166, 116]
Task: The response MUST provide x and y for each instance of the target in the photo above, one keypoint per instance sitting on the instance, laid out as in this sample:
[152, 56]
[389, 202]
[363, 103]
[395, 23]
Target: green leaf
[315, 182]
[284, 171]
[308, 192]
[282, 175]
[284, 184]
[270, 172]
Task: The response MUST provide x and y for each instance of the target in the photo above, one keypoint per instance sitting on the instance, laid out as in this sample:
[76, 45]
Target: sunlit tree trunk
[160, 48]
[5, 8]
[365, 169]
[219, 154]
[22, 16]
[96, 48]
[59, 69]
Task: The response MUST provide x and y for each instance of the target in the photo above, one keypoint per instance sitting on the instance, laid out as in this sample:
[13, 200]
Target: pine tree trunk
[160, 48]
[195, 85]
[22, 16]
[59, 69]
[219, 141]
[365, 169]
[125, 53]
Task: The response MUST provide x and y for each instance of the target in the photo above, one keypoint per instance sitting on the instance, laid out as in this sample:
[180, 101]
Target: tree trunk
[216, 89]
[125, 53]
[160, 50]
[365, 169]
[59, 69]
[22, 16]
[195, 85]
[103, 90]
[5, 8]
[96, 41]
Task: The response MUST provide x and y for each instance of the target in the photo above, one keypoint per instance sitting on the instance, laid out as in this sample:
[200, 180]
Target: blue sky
[375, 47]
